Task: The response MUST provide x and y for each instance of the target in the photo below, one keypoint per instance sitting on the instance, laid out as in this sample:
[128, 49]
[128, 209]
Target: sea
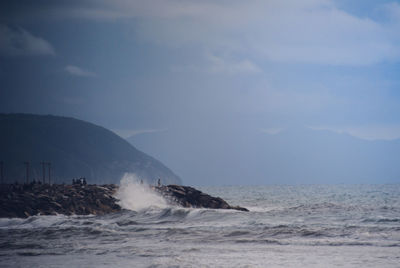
[287, 226]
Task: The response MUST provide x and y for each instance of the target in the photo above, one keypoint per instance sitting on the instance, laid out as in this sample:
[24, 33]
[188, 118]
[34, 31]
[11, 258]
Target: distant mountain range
[292, 156]
[74, 148]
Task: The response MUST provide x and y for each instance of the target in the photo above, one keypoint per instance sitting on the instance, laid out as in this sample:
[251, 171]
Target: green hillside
[74, 148]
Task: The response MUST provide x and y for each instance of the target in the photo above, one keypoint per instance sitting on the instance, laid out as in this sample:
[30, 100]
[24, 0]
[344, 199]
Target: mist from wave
[135, 194]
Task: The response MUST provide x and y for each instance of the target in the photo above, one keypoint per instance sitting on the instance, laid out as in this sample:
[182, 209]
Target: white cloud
[19, 42]
[219, 65]
[77, 71]
[308, 31]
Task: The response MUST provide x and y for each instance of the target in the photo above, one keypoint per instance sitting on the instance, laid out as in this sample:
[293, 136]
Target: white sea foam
[287, 226]
[134, 195]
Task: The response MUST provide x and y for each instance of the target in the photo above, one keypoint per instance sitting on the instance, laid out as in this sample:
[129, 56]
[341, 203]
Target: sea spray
[134, 195]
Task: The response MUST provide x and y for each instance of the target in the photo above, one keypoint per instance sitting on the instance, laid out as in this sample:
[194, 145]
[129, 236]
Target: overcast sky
[145, 66]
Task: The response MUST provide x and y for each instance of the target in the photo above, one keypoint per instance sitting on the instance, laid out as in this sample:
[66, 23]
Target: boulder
[190, 197]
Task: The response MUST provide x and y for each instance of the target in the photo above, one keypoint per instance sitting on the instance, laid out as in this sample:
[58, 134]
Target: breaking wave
[136, 195]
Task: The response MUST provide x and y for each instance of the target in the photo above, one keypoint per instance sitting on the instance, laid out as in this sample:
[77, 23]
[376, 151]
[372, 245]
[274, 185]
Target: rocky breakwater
[186, 196]
[24, 200]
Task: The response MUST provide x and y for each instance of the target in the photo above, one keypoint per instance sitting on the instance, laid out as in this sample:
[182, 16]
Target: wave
[382, 220]
[285, 231]
[135, 195]
[124, 220]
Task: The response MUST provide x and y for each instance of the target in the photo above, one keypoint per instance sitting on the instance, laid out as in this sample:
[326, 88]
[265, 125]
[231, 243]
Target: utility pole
[49, 171]
[27, 172]
[44, 171]
[1, 172]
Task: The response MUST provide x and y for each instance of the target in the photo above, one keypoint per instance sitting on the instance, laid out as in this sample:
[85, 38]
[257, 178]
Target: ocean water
[287, 226]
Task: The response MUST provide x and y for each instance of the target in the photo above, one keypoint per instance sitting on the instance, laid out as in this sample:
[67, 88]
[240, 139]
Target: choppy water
[288, 226]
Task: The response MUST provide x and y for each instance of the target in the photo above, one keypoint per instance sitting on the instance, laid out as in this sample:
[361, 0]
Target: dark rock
[24, 201]
[190, 197]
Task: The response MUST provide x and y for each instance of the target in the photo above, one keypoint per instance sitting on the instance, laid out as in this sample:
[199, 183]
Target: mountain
[74, 148]
[294, 156]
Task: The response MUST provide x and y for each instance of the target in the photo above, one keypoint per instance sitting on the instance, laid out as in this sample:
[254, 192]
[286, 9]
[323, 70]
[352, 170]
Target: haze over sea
[287, 226]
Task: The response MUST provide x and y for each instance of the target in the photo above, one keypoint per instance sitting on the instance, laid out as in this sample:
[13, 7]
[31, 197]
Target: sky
[199, 67]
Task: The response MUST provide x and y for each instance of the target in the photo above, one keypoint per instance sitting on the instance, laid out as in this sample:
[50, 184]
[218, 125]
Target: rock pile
[186, 196]
[24, 200]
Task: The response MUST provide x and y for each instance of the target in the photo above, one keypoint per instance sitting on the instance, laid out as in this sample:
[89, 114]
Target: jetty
[186, 196]
[24, 200]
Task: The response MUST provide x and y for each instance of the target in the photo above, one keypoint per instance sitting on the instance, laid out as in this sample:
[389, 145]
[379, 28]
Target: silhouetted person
[159, 182]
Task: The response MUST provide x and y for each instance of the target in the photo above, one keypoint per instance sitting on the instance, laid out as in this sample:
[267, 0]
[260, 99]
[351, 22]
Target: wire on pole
[44, 171]
[49, 164]
[1, 172]
[27, 171]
